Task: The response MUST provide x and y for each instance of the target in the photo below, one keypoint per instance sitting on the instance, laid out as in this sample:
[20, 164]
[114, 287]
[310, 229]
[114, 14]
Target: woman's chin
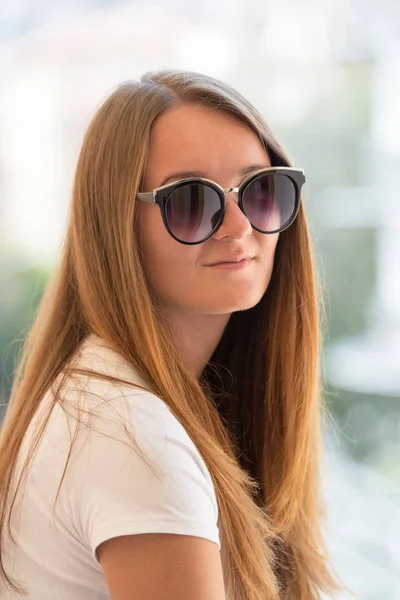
[229, 306]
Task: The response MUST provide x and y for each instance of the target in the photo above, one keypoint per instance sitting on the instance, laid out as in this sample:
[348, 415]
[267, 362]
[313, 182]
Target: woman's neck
[197, 336]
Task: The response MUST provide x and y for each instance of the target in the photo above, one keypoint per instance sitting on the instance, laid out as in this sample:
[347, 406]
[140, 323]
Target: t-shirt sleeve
[156, 482]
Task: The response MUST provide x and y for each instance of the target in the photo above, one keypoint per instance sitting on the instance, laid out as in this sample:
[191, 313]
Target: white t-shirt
[108, 490]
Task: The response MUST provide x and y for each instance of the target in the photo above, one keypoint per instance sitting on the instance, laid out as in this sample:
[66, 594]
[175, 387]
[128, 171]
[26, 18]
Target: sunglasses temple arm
[146, 197]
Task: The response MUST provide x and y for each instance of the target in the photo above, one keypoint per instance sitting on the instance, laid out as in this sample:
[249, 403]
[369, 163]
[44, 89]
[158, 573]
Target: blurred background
[326, 76]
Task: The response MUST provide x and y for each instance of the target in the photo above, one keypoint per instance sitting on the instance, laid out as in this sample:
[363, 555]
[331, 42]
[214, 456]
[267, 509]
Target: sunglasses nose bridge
[230, 190]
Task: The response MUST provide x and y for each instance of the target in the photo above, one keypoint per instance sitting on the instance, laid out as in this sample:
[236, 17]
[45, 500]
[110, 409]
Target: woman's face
[197, 139]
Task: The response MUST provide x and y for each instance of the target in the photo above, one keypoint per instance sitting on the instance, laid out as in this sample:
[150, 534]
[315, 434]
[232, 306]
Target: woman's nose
[235, 223]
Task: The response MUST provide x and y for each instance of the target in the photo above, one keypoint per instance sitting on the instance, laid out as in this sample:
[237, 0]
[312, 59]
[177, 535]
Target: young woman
[164, 431]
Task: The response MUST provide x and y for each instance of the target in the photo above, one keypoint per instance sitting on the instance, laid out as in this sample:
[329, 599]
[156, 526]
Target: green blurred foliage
[349, 273]
[368, 428]
[22, 284]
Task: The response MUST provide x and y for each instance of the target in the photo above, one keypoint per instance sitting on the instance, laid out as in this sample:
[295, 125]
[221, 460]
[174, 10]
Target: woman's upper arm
[162, 567]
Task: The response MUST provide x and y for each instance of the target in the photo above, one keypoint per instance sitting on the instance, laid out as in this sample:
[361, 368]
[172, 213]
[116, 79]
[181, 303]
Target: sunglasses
[193, 209]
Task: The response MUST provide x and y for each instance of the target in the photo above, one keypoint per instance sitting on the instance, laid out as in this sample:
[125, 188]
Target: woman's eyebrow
[185, 174]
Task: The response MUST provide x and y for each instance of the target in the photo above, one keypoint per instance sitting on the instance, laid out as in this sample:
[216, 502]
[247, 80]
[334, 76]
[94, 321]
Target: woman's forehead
[196, 139]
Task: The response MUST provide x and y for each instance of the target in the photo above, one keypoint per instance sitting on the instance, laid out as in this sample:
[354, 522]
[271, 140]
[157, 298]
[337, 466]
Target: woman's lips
[233, 266]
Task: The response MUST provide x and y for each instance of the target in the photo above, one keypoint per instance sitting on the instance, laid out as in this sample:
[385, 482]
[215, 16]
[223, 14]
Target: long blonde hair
[255, 413]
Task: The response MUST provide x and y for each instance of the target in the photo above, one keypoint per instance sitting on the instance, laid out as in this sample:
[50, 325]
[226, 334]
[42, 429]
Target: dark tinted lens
[269, 201]
[192, 211]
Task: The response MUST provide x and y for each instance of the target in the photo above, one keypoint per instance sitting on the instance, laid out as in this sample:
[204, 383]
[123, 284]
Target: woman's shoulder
[97, 355]
[108, 394]
[128, 407]
[99, 377]
[105, 401]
